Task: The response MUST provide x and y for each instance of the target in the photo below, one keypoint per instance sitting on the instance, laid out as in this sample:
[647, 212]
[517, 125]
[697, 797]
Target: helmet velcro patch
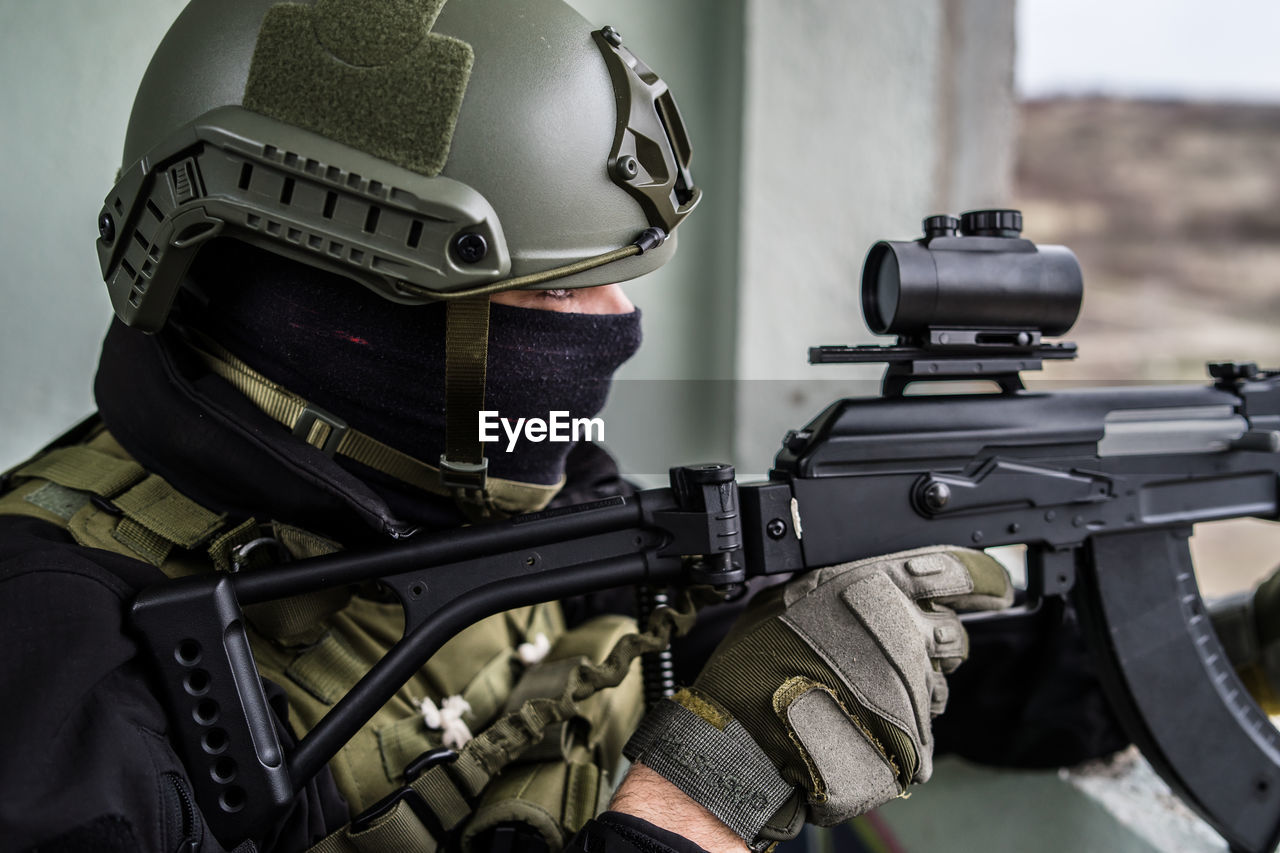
[368, 74]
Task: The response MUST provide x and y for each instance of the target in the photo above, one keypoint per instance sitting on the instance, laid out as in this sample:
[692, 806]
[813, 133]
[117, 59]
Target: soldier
[341, 230]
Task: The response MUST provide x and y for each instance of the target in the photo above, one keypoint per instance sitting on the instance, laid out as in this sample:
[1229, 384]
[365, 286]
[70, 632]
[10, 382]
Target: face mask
[380, 366]
[555, 368]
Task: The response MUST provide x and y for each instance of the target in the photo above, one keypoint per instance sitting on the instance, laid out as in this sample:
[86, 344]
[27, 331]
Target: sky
[1195, 49]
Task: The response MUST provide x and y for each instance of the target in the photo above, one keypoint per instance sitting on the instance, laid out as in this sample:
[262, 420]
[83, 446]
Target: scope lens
[880, 299]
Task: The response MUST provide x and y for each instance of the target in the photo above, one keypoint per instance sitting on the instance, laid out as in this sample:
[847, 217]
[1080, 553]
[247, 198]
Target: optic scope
[971, 299]
[974, 275]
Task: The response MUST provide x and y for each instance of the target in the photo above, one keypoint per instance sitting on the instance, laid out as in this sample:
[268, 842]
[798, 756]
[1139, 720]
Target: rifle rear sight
[971, 299]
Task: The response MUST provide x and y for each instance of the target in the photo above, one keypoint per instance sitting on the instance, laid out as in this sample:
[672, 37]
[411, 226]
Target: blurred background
[1145, 134]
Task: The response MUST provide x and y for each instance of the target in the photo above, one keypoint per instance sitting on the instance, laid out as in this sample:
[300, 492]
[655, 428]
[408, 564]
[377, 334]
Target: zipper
[190, 829]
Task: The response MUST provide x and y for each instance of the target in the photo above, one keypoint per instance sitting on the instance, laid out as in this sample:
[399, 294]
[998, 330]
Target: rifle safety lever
[1004, 482]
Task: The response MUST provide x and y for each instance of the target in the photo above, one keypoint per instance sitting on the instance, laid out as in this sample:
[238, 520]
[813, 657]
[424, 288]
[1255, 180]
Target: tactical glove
[1248, 624]
[818, 703]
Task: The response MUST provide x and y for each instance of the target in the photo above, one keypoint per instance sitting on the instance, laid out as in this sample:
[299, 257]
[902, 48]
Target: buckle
[311, 415]
[241, 554]
[429, 759]
[464, 475]
[512, 836]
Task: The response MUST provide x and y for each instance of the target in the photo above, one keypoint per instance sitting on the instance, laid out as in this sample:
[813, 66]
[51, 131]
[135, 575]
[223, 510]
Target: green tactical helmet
[426, 149]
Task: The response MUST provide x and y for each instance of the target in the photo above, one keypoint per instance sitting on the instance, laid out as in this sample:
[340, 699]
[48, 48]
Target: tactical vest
[549, 723]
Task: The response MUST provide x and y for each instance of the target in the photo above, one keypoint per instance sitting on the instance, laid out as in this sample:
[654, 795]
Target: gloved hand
[818, 703]
[1248, 624]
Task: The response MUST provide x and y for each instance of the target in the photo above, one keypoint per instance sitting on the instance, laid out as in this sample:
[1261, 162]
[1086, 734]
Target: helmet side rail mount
[420, 239]
[651, 149]
[402, 234]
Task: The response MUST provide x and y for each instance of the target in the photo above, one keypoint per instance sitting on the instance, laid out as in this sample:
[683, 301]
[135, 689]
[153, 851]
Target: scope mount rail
[996, 355]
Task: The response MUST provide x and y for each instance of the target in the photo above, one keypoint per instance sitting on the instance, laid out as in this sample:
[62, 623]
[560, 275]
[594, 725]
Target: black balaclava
[380, 365]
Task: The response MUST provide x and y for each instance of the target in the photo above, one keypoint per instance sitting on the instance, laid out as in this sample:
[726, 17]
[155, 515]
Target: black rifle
[1101, 485]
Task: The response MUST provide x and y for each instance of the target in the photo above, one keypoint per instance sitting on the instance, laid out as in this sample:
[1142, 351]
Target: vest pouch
[552, 799]
[563, 781]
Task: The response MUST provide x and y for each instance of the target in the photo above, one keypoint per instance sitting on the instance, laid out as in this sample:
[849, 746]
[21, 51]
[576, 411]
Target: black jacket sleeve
[85, 760]
[613, 832]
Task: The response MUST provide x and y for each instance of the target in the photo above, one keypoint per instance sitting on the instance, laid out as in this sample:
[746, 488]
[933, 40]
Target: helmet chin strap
[464, 471]
[496, 498]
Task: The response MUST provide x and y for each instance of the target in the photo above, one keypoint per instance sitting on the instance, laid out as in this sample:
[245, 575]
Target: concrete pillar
[859, 119]
[977, 127]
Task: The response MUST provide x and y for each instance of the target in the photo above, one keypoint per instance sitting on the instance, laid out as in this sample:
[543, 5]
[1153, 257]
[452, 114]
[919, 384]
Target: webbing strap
[515, 732]
[292, 619]
[314, 426]
[449, 791]
[466, 361]
[163, 510]
[84, 469]
[250, 546]
[154, 516]
[399, 829]
[327, 668]
[329, 433]
[145, 544]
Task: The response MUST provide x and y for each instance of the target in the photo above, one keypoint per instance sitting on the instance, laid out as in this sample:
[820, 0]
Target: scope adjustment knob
[991, 223]
[940, 225]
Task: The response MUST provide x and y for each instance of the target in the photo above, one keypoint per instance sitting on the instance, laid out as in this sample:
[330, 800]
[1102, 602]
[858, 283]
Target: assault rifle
[1101, 485]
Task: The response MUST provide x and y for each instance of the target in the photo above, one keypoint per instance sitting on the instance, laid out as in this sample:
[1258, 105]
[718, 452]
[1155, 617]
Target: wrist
[648, 796]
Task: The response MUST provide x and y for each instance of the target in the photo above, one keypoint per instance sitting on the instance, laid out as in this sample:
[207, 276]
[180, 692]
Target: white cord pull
[448, 720]
[531, 653]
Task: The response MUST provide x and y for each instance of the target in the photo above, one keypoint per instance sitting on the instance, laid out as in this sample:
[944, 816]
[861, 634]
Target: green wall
[69, 69]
